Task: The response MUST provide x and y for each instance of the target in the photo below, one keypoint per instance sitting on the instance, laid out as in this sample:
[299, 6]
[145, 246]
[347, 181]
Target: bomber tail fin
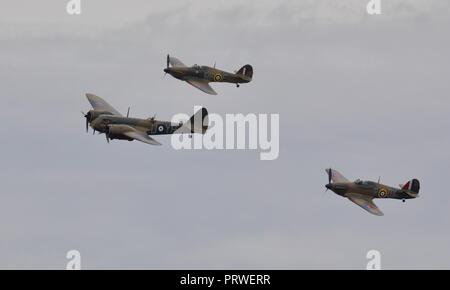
[198, 123]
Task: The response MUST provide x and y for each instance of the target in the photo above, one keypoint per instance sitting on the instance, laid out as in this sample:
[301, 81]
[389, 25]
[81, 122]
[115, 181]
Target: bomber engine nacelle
[93, 114]
[117, 132]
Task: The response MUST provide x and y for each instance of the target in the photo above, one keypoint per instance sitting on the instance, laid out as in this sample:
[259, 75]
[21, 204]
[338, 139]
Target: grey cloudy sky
[367, 95]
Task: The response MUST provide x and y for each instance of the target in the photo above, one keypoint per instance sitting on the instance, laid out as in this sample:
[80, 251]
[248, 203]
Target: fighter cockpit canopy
[360, 182]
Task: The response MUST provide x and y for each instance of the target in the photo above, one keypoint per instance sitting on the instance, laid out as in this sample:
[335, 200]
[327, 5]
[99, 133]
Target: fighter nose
[166, 70]
[328, 186]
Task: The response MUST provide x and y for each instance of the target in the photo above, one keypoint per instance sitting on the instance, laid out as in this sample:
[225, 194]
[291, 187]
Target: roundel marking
[217, 77]
[382, 192]
[161, 128]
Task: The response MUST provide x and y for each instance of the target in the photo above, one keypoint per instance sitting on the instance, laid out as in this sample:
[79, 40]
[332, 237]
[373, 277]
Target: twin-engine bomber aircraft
[201, 76]
[105, 119]
[363, 192]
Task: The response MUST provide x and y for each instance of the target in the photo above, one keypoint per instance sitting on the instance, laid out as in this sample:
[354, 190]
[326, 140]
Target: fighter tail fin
[412, 186]
[246, 70]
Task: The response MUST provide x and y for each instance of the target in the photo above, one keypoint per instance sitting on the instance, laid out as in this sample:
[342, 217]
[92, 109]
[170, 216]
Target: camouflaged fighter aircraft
[105, 119]
[201, 76]
[363, 192]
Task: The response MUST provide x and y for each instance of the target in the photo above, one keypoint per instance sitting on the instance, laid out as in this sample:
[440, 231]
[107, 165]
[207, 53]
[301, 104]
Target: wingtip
[90, 95]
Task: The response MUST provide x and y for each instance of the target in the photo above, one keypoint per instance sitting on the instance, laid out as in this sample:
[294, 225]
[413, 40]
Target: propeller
[128, 112]
[88, 118]
[167, 66]
[329, 179]
[107, 134]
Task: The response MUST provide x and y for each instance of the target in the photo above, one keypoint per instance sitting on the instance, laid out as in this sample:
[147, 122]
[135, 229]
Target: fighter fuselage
[367, 188]
[206, 73]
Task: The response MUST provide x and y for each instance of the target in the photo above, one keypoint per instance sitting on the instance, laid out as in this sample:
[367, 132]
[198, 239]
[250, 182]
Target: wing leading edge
[336, 176]
[203, 86]
[366, 202]
[99, 104]
[140, 136]
[175, 62]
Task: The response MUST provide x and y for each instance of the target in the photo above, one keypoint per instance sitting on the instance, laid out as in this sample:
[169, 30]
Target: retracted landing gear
[237, 85]
[403, 200]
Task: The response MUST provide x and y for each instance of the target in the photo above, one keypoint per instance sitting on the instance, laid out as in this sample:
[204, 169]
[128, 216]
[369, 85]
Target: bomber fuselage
[150, 126]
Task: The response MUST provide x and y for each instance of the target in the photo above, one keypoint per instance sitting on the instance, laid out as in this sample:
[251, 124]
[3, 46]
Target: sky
[364, 94]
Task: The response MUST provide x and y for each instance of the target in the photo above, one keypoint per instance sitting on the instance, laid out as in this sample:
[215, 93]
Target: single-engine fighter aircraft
[201, 76]
[105, 119]
[363, 192]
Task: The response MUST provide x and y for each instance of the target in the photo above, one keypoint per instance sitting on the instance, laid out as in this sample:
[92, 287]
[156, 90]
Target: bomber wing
[366, 202]
[139, 135]
[101, 105]
[203, 86]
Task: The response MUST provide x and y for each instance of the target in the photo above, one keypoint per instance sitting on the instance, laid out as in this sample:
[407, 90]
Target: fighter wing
[101, 105]
[203, 86]
[366, 203]
[175, 62]
[140, 136]
[336, 176]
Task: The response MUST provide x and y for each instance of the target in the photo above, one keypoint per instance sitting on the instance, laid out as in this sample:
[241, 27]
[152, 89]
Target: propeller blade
[329, 175]
[168, 61]
[87, 125]
[128, 112]
[86, 116]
